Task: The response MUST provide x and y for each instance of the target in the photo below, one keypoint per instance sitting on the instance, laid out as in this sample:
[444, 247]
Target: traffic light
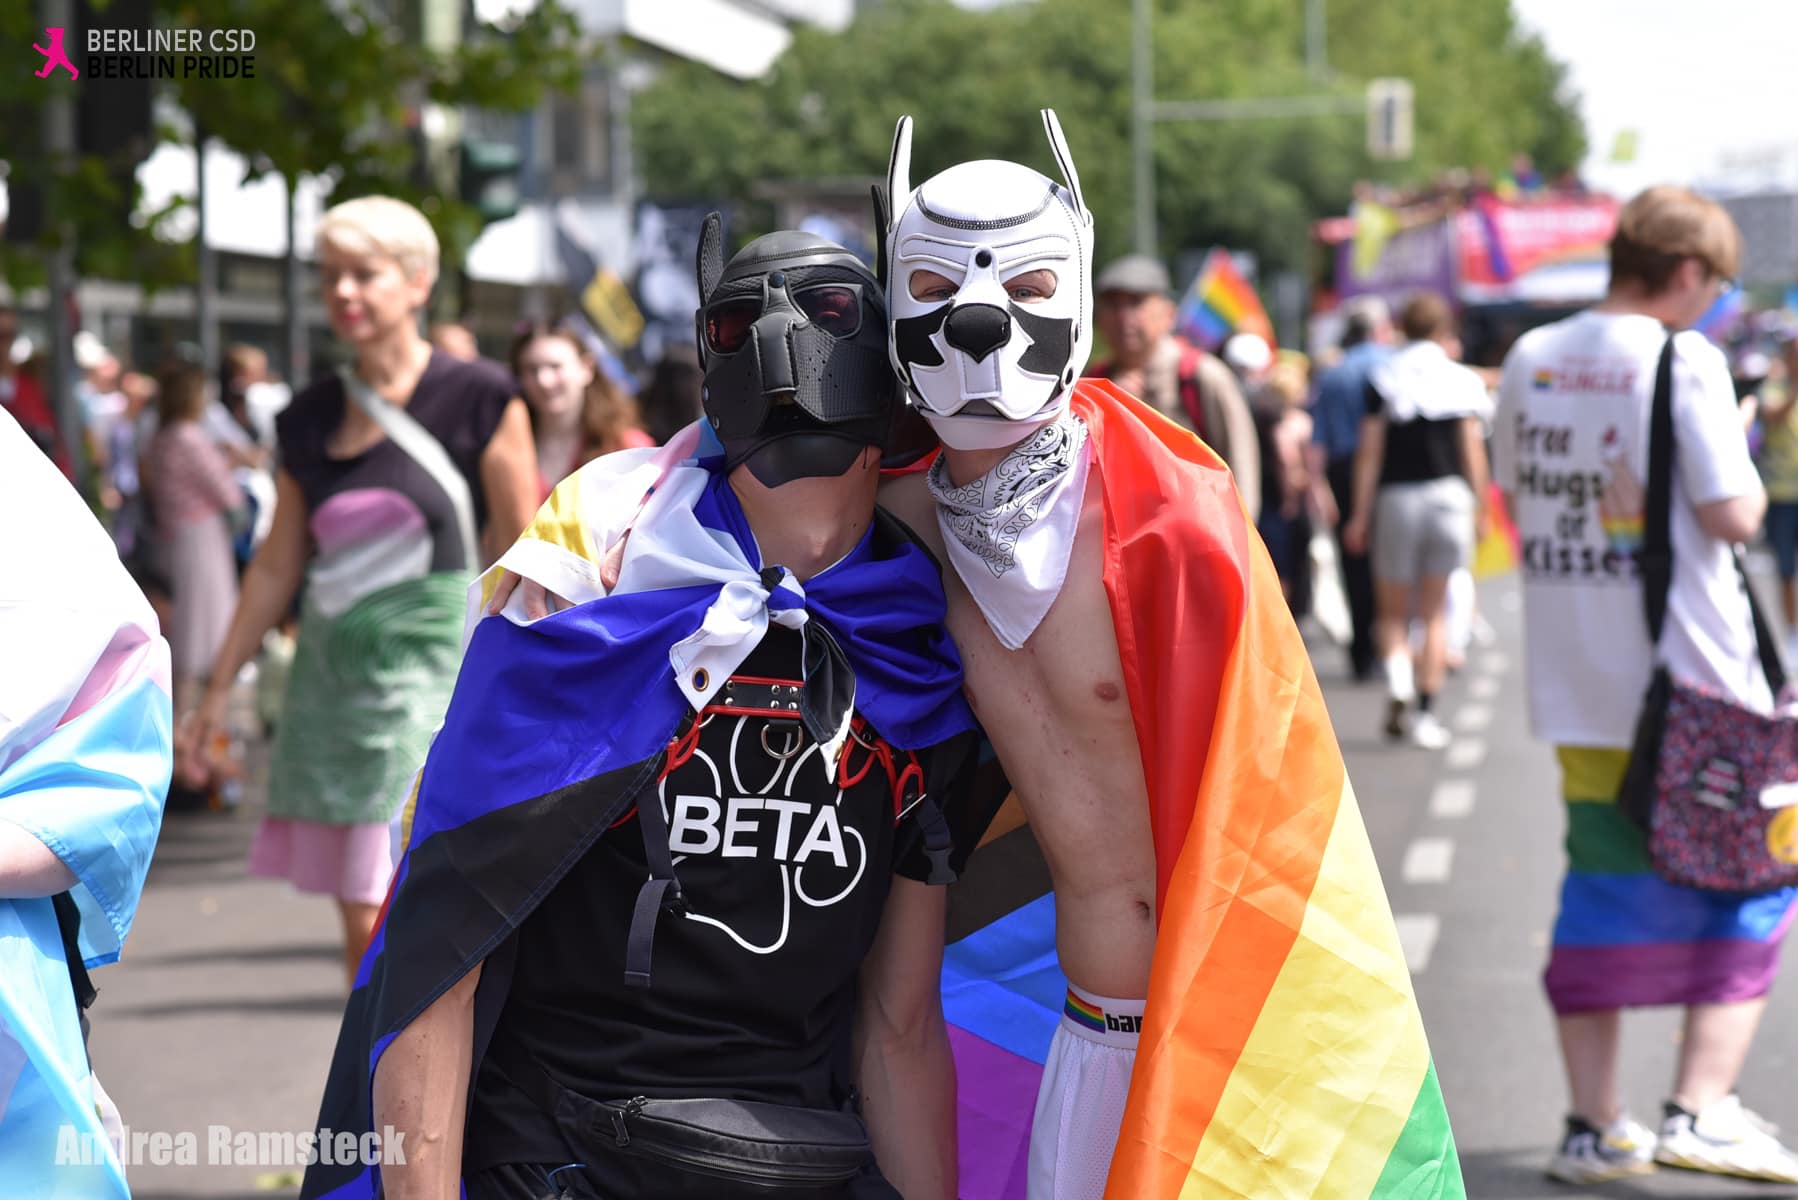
[1389, 119]
[488, 176]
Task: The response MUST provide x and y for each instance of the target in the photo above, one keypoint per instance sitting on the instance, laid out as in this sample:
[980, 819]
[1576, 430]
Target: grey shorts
[1422, 530]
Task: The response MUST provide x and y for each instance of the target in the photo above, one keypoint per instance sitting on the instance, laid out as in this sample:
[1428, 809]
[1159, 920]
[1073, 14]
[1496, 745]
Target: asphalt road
[224, 1010]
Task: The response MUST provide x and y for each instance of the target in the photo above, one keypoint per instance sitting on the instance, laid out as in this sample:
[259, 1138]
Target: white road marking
[1453, 798]
[1494, 663]
[1483, 687]
[1473, 718]
[1429, 860]
[1417, 936]
[1464, 754]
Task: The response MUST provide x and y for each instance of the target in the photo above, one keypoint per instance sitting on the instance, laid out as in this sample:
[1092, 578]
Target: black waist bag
[715, 1149]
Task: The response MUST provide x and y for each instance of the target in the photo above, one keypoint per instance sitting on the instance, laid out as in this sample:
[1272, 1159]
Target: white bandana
[1010, 533]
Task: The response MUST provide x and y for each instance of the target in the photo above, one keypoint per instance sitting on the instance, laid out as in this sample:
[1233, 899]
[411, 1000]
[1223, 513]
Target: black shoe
[1395, 720]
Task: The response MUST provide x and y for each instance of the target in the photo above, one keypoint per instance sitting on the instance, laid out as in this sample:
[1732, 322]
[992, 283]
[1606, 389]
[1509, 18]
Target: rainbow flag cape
[1221, 302]
[1283, 1054]
[85, 755]
[558, 725]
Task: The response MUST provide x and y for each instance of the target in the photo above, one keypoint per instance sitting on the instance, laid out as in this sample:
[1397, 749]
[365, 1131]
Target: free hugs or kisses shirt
[1570, 447]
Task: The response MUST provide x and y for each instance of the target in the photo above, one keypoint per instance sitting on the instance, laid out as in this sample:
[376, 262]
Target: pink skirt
[351, 862]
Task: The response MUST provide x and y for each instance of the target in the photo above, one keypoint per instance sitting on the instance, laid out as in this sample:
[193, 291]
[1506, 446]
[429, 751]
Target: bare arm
[1323, 501]
[1474, 464]
[421, 1090]
[1735, 519]
[903, 1066]
[28, 868]
[1292, 438]
[509, 477]
[1368, 457]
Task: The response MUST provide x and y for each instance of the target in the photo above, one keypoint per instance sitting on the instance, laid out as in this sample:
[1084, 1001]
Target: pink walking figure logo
[55, 56]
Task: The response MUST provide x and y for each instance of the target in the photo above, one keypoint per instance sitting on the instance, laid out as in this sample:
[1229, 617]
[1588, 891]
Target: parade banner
[1411, 259]
[1540, 250]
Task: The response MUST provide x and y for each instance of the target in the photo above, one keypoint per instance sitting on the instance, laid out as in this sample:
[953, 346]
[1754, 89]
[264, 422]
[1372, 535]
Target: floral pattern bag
[1715, 785]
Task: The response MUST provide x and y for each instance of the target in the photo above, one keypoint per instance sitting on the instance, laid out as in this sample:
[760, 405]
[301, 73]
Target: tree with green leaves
[1485, 91]
[336, 93]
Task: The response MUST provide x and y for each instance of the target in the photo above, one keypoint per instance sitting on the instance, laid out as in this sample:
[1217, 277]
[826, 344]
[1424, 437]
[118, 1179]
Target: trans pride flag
[1221, 302]
[85, 755]
[1282, 1054]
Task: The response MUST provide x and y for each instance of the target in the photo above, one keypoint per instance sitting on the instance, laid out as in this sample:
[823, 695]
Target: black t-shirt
[753, 992]
[461, 403]
[1418, 450]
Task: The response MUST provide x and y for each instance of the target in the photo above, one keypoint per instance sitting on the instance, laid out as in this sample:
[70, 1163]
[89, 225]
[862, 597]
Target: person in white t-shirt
[1570, 450]
[1420, 487]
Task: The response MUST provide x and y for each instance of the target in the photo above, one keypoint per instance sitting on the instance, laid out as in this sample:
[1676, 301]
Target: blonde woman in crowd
[400, 477]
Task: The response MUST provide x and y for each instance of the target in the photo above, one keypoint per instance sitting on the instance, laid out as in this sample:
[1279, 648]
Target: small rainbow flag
[1221, 302]
[1543, 380]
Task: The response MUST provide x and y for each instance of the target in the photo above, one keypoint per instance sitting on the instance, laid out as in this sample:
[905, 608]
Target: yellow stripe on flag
[1362, 1037]
[557, 522]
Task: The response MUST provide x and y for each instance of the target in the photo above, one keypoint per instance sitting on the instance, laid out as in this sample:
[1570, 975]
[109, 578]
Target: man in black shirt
[678, 841]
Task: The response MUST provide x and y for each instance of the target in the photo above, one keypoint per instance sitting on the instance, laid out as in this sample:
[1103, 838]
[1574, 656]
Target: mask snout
[977, 329]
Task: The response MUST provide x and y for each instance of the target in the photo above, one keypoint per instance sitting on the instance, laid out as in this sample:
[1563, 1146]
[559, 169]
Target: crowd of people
[549, 637]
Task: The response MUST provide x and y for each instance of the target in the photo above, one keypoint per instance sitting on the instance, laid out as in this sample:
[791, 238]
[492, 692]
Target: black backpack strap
[1657, 540]
[660, 891]
[1764, 645]
[68, 923]
[1656, 555]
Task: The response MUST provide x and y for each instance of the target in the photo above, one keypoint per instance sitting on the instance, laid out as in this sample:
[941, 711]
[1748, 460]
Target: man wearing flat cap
[1135, 314]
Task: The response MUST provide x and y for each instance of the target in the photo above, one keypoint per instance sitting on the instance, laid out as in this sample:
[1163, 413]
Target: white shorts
[1080, 1106]
[1422, 530]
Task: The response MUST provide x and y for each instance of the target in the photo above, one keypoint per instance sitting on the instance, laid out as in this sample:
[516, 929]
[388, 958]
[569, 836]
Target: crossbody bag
[1714, 784]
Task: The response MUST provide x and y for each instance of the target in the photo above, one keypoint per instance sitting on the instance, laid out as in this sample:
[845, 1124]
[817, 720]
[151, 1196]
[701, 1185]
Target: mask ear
[711, 255]
[1065, 160]
[899, 166]
[882, 222]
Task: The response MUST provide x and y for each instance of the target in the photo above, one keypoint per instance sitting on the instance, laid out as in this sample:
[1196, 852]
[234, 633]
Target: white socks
[1400, 682]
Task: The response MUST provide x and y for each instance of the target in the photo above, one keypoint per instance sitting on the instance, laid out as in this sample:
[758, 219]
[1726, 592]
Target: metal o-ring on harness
[795, 741]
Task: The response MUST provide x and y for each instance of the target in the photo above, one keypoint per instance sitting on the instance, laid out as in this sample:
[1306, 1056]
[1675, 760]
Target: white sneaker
[1590, 1155]
[1726, 1139]
[1428, 733]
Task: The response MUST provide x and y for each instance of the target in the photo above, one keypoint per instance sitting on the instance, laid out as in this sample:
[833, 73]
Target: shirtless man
[1069, 512]
[1027, 602]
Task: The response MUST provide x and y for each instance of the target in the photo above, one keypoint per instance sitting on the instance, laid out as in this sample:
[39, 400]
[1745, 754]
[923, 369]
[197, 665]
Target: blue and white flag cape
[558, 724]
[85, 756]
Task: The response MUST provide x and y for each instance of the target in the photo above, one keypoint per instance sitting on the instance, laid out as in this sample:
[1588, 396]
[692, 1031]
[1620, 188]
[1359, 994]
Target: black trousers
[1357, 571]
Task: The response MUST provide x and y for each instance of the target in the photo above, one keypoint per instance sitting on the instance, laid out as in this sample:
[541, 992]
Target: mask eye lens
[835, 310]
[727, 325]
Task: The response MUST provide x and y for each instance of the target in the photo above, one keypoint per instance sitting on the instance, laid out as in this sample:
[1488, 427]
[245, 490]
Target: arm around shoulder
[904, 1069]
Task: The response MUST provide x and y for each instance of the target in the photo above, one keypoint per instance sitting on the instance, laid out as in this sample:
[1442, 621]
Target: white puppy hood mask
[985, 370]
